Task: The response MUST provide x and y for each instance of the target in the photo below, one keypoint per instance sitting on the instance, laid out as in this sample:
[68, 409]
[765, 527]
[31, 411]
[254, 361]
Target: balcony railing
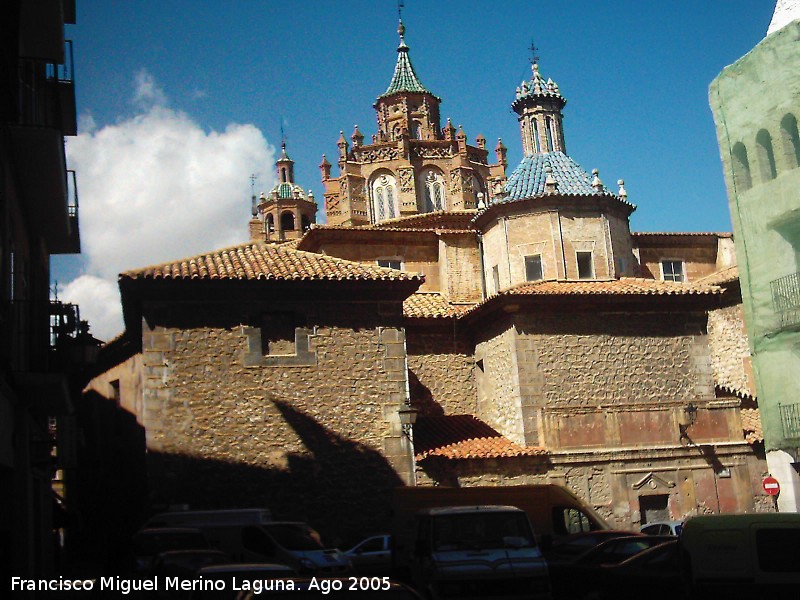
[790, 420]
[47, 94]
[786, 299]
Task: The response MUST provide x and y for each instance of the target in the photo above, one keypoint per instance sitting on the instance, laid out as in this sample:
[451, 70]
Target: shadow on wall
[341, 487]
[111, 482]
[422, 397]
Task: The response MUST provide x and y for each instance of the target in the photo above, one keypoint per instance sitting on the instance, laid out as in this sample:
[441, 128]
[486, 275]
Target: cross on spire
[400, 7]
[534, 55]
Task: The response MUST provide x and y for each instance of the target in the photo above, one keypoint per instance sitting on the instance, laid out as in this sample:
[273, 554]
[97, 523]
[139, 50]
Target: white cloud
[154, 188]
[99, 302]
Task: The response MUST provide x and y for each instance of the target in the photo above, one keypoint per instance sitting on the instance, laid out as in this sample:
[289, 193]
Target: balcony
[786, 300]
[47, 94]
[790, 420]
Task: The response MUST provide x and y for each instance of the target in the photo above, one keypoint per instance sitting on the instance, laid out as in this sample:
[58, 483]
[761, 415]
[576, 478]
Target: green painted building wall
[756, 106]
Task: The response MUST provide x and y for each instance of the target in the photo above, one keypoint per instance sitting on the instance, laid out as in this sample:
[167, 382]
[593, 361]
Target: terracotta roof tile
[751, 424]
[457, 219]
[623, 286]
[728, 275]
[721, 234]
[432, 305]
[626, 286]
[258, 260]
[464, 436]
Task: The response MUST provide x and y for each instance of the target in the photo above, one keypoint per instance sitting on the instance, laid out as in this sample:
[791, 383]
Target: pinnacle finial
[623, 193]
[596, 183]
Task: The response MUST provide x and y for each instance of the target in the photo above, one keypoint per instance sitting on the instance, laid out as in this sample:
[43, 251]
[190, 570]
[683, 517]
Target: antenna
[534, 55]
[253, 209]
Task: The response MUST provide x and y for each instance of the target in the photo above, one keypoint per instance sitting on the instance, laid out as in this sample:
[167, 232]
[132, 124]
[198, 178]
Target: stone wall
[730, 349]
[319, 442]
[460, 268]
[497, 380]
[441, 370]
[589, 360]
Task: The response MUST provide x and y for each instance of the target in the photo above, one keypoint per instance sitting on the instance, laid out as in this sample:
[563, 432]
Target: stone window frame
[670, 276]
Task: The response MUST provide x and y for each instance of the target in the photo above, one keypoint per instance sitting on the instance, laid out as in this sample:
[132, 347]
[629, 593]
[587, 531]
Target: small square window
[585, 267]
[672, 270]
[278, 334]
[533, 268]
[391, 264]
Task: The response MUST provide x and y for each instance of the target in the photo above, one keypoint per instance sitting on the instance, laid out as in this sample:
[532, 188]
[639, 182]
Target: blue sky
[181, 101]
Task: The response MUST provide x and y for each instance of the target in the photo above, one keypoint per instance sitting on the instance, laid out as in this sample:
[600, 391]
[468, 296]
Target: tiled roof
[404, 78]
[256, 260]
[751, 424]
[442, 219]
[623, 286]
[537, 87]
[719, 234]
[728, 275]
[464, 436]
[528, 178]
[432, 305]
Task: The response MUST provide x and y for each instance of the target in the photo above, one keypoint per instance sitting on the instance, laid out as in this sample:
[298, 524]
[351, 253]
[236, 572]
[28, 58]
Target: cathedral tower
[412, 165]
[287, 212]
[539, 104]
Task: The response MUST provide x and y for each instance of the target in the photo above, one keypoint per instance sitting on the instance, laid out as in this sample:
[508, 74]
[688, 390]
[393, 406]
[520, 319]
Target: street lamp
[408, 416]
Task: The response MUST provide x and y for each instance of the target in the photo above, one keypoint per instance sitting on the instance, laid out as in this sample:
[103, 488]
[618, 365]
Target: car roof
[456, 510]
[242, 567]
[167, 530]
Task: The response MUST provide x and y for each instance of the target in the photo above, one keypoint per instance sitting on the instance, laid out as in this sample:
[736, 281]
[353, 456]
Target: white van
[748, 555]
[249, 535]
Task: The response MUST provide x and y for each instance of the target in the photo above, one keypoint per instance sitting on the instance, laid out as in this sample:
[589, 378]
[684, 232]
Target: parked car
[146, 544]
[248, 576]
[372, 555]
[184, 564]
[662, 528]
[579, 577]
[336, 588]
[656, 570]
[572, 546]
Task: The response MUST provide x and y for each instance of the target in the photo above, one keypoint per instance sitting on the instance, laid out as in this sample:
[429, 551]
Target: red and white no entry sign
[771, 486]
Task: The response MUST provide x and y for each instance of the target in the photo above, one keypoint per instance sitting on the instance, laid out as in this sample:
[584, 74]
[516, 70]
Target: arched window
[287, 221]
[790, 140]
[549, 133]
[270, 223]
[305, 223]
[416, 130]
[283, 174]
[766, 158]
[432, 189]
[741, 167]
[384, 197]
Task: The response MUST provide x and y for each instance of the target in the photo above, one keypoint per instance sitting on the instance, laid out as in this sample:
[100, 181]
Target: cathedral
[449, 325]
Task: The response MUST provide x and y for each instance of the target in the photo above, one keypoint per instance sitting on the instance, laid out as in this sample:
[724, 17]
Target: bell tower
[406, 107]
[287, 212]
[539, 106]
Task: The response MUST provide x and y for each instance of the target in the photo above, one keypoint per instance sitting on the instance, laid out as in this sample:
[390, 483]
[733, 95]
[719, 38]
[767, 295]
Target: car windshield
[151, 544]
[482, 530]
[295, 536]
